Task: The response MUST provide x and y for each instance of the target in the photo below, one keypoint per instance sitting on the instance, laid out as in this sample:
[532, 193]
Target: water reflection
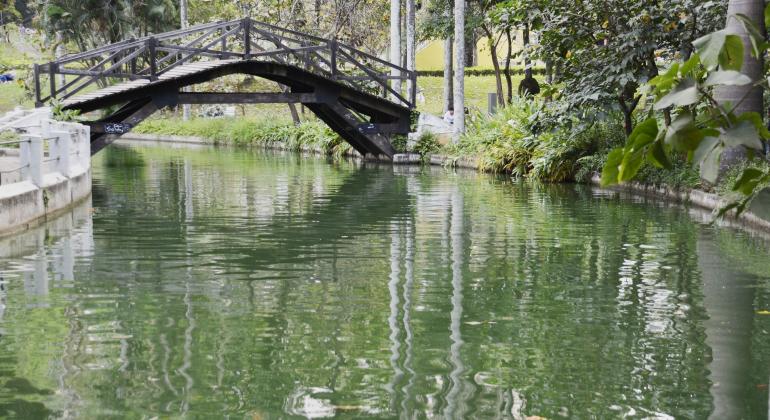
[210, 283]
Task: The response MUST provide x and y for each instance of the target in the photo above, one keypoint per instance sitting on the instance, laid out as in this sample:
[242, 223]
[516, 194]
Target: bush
[426, 144]
[249, 132]
[480, 71]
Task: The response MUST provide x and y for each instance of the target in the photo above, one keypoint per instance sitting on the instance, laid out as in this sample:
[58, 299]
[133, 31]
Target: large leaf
[727, 78]
[685, 93]
[682, 134]
[709, 166]
[748, 181]
[709, 48]
[704, 148]
[756, 120]
[742, 134]
[630, 165]
[658, 156]
[731, 56]
[757, 38]
[612, 167]
[644, 133]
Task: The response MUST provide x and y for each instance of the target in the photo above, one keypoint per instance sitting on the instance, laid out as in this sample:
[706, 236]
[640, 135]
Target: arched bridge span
[345, 87]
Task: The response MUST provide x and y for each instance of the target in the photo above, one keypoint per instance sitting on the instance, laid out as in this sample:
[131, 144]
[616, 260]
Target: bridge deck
[178, 72]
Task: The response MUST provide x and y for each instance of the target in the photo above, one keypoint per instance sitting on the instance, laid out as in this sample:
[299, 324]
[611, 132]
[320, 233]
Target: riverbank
[748, 221]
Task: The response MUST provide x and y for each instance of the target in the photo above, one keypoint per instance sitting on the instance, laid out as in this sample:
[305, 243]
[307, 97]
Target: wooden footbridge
[345, 87]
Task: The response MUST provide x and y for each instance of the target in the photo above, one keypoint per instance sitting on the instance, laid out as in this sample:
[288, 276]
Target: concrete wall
[54, 164]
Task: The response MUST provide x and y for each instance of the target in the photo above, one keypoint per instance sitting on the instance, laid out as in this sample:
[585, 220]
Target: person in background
[449, 117]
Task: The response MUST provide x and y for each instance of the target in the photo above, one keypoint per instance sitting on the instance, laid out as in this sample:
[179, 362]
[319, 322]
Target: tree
[459, 69]
[605, 50]
[8, 13]
[92, 23]
[395, 43]
[744, 98]
[411, 50]
[703, 127]
[184, 24]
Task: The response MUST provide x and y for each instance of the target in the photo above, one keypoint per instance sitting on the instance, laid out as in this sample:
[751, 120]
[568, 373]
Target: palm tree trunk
[747, 98]
[509, 51]
[448, 85]
[459, 56]
[395, 42]
[410, 46]
[183, 22]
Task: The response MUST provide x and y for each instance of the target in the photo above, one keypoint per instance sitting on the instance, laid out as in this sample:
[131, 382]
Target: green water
[221, 284]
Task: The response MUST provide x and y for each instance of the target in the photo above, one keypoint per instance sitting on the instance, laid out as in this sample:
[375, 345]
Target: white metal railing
[44, 146]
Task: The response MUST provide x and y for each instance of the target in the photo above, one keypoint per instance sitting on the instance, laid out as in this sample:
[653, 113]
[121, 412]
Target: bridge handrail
[156, 54]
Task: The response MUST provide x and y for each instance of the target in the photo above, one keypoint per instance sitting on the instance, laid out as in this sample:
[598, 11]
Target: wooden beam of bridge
[247, 98]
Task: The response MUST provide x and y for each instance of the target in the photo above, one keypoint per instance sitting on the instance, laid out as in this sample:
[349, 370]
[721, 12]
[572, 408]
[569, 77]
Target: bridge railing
[149, 58]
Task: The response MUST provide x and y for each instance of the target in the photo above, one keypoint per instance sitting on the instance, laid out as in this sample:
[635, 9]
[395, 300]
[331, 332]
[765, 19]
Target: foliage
[399, 143]
[426, 144]
[602, 51]
[480, 71]
[702, 128]
[93, 23]
[250, 132]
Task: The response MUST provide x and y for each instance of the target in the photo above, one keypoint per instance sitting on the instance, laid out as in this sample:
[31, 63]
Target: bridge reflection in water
[216, 282]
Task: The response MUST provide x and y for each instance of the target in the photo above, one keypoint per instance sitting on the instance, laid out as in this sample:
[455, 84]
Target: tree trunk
[747, 98]
[509, 52]
[183, 22]
[527, 61]
[496, 65]
[448, 85]
[410, 46]
[59, 53]
[459, 56]
[395, 43]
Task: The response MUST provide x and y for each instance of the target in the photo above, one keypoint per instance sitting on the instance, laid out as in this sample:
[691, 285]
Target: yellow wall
[431, 57]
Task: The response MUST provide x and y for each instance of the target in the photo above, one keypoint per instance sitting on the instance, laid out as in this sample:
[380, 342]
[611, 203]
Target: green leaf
[612, 167]
[683, 135]
[644, 133]
[658, 156]
[767, 16]
[742, 134]
[759, 125]
[630, 165]
[704, 148]
[727, 78]
[757, 39]
[689, 65]
[731, 56]
[748, 181]
[685, 93]
[709, 166]
[709, 48]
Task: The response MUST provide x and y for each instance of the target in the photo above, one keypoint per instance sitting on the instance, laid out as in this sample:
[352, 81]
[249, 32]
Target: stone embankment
[45, 167]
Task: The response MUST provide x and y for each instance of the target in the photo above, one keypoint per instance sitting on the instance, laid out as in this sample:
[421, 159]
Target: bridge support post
[247, 38]
[52, 76]
[333, 58]
[36, 71]
[152, 43]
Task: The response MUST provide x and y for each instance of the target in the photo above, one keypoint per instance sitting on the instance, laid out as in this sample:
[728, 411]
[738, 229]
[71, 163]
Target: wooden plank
[247, 98]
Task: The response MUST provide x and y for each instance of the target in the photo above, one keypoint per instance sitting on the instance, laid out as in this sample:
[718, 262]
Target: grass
[252, 131]
[476, 90]
[13, 95]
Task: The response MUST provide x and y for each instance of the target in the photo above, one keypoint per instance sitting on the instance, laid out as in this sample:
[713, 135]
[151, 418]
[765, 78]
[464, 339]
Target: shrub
[426, 144]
